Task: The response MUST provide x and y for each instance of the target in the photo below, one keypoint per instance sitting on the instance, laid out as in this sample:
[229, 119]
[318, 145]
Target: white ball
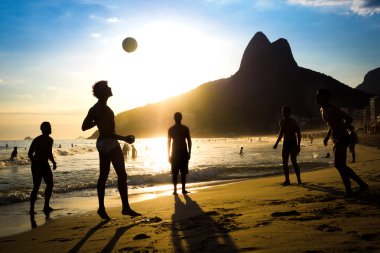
[129, 44]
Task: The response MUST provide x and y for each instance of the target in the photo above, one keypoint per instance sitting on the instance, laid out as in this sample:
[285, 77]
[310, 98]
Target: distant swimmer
[134, 152]
[241, 151]
[13, 155]
[109, 149]
[353, 141]
[40, 152]
[290, 130]
[126, 149]
[339, 123]
[179, 151]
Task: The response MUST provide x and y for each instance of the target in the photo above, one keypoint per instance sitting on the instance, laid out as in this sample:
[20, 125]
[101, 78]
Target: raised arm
[89, 121]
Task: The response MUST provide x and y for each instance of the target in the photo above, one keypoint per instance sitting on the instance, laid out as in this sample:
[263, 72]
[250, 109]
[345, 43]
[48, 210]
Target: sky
[53, 51]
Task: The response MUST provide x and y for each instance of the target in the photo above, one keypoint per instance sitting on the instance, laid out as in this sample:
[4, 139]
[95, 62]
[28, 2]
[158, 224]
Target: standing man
[102, 116]
[290, 130]
[40, 152]
[339, 123]
[179, 151]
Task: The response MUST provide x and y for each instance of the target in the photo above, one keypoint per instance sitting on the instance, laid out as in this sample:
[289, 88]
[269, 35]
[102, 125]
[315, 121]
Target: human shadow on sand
[119, 232]
[194, 230]
[92, 231]
[371, 197]
[110, 245]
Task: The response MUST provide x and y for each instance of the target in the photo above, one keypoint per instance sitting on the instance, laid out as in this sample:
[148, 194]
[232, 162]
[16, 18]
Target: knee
[122, 179]
[50, 186]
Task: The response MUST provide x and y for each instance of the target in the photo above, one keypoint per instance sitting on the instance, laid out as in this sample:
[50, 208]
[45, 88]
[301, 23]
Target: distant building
[374, 104]
[366, 116]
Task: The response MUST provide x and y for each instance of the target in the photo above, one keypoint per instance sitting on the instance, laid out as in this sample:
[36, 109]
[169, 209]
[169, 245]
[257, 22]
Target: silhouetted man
[179, 151]
[339, 123]
[40, 152]
[102, 116]
[290, 130]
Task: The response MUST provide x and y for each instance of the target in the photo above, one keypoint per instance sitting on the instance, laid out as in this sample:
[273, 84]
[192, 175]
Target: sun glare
[170, 59]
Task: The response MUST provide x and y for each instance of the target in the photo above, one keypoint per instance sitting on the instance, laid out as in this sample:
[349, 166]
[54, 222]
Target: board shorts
[106, 145]
[180, 162]
[42, 171]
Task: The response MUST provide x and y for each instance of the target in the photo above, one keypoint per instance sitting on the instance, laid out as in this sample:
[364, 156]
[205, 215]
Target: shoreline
[248, 215]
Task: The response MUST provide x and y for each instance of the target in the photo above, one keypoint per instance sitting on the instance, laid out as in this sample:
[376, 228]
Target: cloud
[360, 7]
[1, 81]
[23, 96]
[113, 20]
[366, 7]
[95, 35]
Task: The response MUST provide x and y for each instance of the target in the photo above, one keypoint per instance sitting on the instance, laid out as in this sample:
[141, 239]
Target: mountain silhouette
[248, 102]
[371, 82]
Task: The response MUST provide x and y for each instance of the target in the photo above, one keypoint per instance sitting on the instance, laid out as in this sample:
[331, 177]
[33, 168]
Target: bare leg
[293, 158]
[37, 178]
[101, 186]
[183, 180]
[48, 178]
[175, 180]
[117, 159]
[285, 161]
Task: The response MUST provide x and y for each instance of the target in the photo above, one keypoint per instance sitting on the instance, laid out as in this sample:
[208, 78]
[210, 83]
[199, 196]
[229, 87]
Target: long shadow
[194, 230]
[315, 187]
[77, 247]
[119, 232]
[371, 197]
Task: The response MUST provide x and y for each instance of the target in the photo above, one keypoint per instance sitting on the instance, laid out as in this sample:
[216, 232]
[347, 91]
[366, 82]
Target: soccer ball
[129, 44]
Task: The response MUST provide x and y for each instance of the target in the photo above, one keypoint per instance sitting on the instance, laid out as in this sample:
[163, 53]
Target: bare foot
[130, 212]
[103, 214]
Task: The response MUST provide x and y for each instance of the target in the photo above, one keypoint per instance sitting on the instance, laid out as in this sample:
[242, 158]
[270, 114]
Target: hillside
[248, 102]
[371, 82]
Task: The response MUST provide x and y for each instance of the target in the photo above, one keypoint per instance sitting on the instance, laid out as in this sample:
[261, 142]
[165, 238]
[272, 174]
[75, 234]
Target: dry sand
[257, 215]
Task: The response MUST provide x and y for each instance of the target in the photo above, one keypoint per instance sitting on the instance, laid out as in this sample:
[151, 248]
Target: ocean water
[212, 159]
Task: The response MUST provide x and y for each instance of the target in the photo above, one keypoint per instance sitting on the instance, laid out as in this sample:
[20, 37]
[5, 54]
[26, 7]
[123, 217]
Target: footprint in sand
[141, 237]
[328, 228]
[286, 213]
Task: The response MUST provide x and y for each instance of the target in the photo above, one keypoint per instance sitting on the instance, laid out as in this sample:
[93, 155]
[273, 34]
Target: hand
[130, 139]
[54, 166]
[275, 146]
[325, 141]
[298, 149]
[188, 156]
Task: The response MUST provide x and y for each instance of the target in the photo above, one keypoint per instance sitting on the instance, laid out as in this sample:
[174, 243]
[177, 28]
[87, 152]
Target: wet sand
[257, 215]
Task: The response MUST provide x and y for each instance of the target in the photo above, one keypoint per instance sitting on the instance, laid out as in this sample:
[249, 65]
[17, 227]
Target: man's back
[290, 128]
[41, 149]
[179, 133]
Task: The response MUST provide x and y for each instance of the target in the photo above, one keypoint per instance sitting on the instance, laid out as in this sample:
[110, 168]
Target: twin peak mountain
[248, 102]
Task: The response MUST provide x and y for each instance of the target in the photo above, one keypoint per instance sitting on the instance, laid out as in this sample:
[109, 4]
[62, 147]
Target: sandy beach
[256, 215]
